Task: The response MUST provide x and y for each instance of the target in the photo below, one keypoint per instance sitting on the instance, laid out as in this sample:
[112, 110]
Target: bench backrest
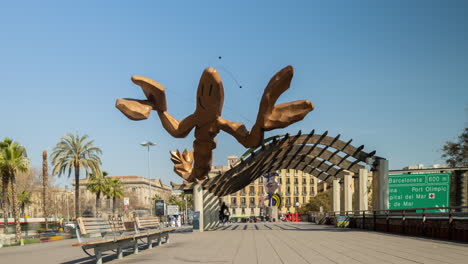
[117, 224]
[93, 225]
[147, 222]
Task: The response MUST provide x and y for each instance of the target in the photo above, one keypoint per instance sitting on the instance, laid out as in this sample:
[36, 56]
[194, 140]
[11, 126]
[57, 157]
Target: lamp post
[297, 211]
[149, 144]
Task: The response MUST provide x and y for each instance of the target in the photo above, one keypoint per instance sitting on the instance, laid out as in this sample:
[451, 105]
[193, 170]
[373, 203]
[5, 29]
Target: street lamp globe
[147, 143]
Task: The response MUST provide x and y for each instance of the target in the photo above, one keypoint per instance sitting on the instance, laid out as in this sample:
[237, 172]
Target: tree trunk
[45, 184]
[113, 204]
[98, 203]
[77, 191]
[15, 209]
[5, 178]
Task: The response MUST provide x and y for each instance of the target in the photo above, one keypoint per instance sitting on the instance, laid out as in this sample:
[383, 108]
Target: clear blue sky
[392, 76]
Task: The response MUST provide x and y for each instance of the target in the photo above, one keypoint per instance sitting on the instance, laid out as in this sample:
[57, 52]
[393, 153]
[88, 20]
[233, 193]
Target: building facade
[295, 189]
[139, 190]
[59, 204]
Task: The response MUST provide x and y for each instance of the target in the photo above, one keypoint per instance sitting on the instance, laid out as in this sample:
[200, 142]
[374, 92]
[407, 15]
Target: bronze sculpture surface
[207, 120]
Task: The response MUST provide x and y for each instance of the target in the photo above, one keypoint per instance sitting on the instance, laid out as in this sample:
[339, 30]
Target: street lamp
[149, 144]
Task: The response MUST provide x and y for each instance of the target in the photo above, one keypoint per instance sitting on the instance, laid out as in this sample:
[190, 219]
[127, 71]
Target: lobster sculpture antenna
[207, 121]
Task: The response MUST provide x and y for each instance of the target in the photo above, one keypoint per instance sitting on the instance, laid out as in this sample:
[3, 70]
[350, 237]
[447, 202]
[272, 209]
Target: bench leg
[150, 244]
[167, 237]
[119, 253]
[135, 249]
[98, 254]
[159, 240]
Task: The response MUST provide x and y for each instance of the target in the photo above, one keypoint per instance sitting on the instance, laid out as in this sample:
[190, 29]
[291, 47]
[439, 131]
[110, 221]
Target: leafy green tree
[157, 197]
[176, 200]
[98, 184]
[189, 198]
[24, 198]
[456, 153]
[115, 191]
[322, 199]
[74, 152]
[12, 161]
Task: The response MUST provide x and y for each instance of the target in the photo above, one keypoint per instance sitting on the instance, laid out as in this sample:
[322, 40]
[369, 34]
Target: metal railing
[405, 219]
[449, 212]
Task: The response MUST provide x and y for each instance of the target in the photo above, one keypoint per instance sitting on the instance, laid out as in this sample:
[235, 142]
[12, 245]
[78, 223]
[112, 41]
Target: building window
[296, 180]
[288, 181]
[260, 180]
[296, 190]
[243, 211]
[243, 200]
[233, 200]
[133, 189]
[303, 200]
[288, 190]
[296, 200]
[312, 191]
[243, 192]
[252, 212]
[288, 201]
[260, 189]
[252, 200]
[304, 190]
[311, 180]
[280, 180]
[251, 190]
[304, 180]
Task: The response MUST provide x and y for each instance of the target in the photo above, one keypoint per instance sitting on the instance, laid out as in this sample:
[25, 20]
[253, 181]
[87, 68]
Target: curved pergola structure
[320, 155]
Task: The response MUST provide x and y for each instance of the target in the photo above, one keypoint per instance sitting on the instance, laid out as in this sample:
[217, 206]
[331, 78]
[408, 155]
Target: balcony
[252, 205]
[304, 193]
[252, 194]
[243, 206]
[233, 205]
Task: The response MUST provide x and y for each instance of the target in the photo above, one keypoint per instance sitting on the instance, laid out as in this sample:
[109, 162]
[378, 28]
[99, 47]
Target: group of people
[175, 220]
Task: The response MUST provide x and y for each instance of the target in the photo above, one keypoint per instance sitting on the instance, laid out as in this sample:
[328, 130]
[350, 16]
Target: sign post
[160, 208]
[408, 191]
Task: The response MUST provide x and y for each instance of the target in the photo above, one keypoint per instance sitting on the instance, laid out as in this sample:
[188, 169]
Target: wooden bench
[104, 235]
[151, 228]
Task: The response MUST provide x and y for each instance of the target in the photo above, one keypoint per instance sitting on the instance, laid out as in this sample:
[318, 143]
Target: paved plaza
[263, 243]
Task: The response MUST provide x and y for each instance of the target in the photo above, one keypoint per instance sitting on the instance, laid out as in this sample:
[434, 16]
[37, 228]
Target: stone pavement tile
[263, 243]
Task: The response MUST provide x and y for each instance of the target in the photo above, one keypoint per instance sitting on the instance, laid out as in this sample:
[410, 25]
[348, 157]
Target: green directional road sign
[419, 190]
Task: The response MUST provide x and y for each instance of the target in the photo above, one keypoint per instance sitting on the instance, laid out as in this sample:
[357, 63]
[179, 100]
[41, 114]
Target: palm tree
[73, 153]
[98, 184]
[24, 198]
[45, 183]
[13, 160]
[5, 200]
[115, 191]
